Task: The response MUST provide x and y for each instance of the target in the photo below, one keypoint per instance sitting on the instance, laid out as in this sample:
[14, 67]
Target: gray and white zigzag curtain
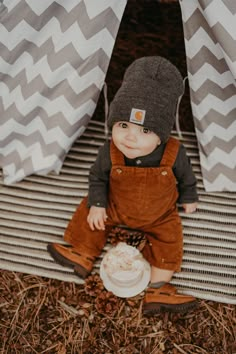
[54, 55]
[210, 42]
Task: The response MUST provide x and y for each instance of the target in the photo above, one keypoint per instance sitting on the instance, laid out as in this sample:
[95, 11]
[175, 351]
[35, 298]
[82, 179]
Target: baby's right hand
[96, 218]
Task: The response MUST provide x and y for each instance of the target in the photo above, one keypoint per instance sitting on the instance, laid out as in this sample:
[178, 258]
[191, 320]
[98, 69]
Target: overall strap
[170, 152]
[117, 158]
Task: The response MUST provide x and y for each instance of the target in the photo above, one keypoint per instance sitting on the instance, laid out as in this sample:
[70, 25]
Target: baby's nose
[130, 136]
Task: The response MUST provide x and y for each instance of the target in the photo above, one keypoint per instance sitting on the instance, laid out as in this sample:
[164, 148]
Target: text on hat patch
[137, 116]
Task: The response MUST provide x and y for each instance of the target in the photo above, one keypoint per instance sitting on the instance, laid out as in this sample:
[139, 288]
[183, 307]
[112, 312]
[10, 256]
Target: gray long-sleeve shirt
[100, 172]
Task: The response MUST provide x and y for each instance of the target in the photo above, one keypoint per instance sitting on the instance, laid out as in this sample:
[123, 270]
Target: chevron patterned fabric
[36, 211]
[54, 56]
[210, 42]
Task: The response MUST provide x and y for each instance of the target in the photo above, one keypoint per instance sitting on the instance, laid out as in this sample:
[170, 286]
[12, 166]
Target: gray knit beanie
[148, 95]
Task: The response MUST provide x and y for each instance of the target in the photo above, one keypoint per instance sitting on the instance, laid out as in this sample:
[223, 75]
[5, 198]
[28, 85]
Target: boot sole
[154, 308]
[78, 269]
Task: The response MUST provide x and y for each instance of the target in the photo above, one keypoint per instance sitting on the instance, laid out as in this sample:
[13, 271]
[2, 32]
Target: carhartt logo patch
[137, 116]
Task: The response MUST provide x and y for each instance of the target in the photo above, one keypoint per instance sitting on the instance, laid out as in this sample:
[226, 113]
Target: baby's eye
[146, 130]
[123, 125]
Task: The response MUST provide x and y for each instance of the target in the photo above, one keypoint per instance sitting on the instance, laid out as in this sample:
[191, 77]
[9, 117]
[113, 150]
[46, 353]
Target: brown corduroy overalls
[140, 198]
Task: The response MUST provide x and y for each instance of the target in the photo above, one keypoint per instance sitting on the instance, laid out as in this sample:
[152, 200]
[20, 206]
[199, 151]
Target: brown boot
[167, 299]
[69, 257]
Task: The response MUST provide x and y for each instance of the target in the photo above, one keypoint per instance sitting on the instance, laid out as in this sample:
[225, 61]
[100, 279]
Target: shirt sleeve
[99, 178]
[186, 180]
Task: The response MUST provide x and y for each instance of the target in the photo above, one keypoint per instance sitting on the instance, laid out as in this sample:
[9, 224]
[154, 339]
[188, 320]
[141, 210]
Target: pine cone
[135, 238]
[107, 303]
[117, 234]
[93, 285]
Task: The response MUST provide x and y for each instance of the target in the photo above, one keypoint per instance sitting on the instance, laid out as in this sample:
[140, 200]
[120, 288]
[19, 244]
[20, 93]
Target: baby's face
[134, 140]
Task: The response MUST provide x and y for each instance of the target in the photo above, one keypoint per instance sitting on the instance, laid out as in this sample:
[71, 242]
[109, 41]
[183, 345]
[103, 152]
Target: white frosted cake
[124, 271]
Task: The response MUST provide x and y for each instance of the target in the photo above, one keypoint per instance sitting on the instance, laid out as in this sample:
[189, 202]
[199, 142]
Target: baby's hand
[189, 207]
[96, 218]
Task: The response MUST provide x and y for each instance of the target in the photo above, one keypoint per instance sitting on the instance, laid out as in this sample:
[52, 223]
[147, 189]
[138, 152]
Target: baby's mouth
[129, 147]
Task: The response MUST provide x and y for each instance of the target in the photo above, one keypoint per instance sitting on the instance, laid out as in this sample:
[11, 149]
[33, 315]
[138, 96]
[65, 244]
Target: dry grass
[40, 315]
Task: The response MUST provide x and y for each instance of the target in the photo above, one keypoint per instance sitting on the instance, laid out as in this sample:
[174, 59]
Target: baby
[136, 180]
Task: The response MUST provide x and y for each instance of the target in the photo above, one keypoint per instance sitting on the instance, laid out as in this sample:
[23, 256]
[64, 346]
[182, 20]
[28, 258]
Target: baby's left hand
[189, 207]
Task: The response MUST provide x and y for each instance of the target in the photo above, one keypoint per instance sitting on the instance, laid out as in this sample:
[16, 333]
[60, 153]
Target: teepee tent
[54, 56]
